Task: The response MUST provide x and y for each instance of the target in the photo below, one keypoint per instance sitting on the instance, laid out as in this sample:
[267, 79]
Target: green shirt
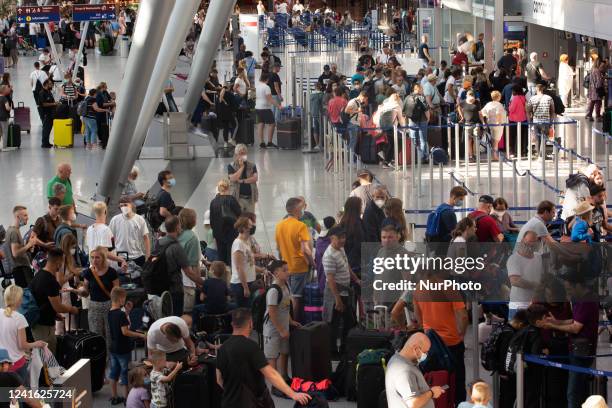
[68, 200]
[190, 243]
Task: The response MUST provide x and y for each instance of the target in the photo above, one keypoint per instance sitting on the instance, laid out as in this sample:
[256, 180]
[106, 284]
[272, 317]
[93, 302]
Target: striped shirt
[541, 105]
[336, 263]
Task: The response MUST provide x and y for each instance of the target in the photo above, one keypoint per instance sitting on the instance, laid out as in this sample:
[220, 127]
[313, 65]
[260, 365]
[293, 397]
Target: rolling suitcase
[288, 134]
[22, 117]
[246, 128]
[214, 391]
[190, 388]
[367, 149]
[442, 378]
[104, 45]
[63, 133]
[408, 148]
[14, 136]
[310, 353]
[77, 344]
[371, 376]
[313, 303]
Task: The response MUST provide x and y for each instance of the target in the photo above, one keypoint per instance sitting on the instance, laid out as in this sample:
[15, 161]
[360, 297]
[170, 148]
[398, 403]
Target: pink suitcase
[22, 116]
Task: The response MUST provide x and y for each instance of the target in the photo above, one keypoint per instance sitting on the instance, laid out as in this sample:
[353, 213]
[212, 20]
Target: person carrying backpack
[535, 73]
[442, 221]
[487, 228]
[416, 111]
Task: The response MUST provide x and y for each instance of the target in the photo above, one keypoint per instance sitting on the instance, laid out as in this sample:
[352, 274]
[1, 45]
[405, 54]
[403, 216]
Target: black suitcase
[370, 383]
[190, 388]
[14, 136]
[214, 391]
[367, 149]
[78, 344]
[246, 128]
[289, 134]
[310, 353]
[382, 400]
[359, 339]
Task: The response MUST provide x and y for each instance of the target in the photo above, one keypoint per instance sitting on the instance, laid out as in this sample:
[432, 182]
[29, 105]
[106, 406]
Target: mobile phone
[445, 387]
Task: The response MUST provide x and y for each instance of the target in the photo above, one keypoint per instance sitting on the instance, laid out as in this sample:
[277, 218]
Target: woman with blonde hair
[242, 83]
[224, 211]
[68, 278]
[494, 113]
[13, 334]
[98, 281]
[243, 177]
[565, 80]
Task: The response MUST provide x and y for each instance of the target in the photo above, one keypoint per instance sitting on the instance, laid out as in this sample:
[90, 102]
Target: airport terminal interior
[457, 125]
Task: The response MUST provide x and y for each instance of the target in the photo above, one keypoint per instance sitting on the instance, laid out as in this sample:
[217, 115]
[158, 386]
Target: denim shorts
[297, 282]
[119, 367]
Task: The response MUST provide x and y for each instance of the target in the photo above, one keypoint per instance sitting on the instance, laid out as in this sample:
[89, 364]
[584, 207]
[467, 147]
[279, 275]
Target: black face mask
[252, 231]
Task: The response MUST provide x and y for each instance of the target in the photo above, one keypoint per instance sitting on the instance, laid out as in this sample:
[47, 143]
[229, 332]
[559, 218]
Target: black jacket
[223, 227]
[372, 222]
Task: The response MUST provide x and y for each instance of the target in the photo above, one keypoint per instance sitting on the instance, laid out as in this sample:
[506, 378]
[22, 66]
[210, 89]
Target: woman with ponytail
[13, 332]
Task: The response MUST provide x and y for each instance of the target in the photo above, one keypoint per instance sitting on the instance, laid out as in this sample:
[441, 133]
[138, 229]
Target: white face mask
[125, 211]
[244, 158]
[379, 203]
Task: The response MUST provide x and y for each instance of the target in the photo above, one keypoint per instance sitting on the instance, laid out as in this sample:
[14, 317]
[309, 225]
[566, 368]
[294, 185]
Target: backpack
[493, 351]
[533, 73]
[480, 51]
[155, 275]
[414, 108]
[259, 307]
[432, 231]
[82, 107]
[516, 345]
[152, 214]
[37, 88]
[440, 357]
[29, 307]
[385, 117]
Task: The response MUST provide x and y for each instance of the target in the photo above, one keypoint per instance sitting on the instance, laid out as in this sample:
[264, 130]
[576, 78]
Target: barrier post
[475, 352]
[507, 135]
[477, 148]
[448, 137]
[607, 152]
[467, 154]
[515, 199]
[528, 173]
[571, 161]
[520, 381]
[395, 148]
[419, 175]
[594, 144]
[457, 156]
[489, 170]
[519, 143]
[496, 389]
[529, 153]
[431, 181]
[413, 158]
[543, 161]
[501, 178]
[441, 177]
[578, 138]
[334, 150]
[556, 161]
[404, 158]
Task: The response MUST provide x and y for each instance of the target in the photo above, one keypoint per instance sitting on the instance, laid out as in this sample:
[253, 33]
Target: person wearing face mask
[405, 384]
[106, 104]
[19, 254]
[374, 215]
[131, 233]
[525, 272]
[68, 224]
[68, 91]
[503, 217]
[243, 264]
[487, 229]
[442, 222]
[46, 292]
[243, 178]
[167, 207]
[261, 258]
[47, 106]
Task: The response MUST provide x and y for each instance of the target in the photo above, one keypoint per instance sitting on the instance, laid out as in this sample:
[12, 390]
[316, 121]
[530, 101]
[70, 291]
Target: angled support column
[180, 20]
[146, 45]
[84, 29]
[217, 17]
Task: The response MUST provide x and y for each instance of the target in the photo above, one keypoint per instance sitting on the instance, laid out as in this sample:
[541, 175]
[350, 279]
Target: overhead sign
[94, 12]
[38, 14]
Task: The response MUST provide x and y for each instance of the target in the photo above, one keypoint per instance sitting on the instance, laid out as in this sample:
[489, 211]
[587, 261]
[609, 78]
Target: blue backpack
[439, 356]
[29, 308]
[432, 233]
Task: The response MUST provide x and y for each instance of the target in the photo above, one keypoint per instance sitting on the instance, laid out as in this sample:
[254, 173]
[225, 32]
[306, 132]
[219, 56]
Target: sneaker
[272, 145]
[262, 145]
[386, 165]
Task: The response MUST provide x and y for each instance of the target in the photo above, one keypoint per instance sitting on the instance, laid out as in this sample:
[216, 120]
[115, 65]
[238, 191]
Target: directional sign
[94, 12]
[38, 14]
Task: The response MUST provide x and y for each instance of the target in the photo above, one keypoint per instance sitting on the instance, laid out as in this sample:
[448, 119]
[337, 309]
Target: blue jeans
[196, 118]
[421, 134]
[238, 292]
[577, 383]
[275, 110]
[91, 130]
[119, 367]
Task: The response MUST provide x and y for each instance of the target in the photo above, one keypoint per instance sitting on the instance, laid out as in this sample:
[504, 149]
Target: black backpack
[414, 108]
[259, 307]
[494, 350]
[516, 345]
[152, 214]
[155, 275]
[533, 73]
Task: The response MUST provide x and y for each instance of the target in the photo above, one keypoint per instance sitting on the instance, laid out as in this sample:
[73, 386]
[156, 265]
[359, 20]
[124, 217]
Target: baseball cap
[486, 199]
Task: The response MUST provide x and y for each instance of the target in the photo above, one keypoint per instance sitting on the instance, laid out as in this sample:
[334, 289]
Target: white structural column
[146, 44]
[180, 21]
[84, 29]
[217, 17]
[498, 30]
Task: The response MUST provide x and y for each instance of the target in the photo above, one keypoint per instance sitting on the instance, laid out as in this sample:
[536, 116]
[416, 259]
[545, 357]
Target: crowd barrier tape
[568, 367]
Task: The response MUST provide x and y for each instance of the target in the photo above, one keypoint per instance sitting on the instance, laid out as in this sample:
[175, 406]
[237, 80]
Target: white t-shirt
[38, 75]
[129, 234]
[242, 86]
[298, 7]
[447, 97]
[158, 340]
[9, 335]
[249, 261]
[530, 269]
[45, 59]
[261, 9]
[495, 112]
[99, 235]
[282, 8]
[261, 96]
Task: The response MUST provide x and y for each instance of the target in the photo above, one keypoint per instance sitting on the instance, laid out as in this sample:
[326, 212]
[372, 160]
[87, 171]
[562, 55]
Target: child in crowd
[121, 343]
[160, 381]
[321, 245]
[481, 395]
[471, 401]
[581, 232]
[215, 291]
[138, 396]
[277, 320]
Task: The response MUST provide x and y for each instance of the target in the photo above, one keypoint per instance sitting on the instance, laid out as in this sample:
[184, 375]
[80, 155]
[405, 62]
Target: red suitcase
[22, 116]
[408, 147]
[441, 378]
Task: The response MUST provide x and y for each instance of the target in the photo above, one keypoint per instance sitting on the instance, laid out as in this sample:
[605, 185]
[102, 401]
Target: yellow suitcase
[63, 135]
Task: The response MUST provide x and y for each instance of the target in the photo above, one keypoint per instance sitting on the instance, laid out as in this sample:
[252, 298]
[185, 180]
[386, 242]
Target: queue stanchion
[543, 161]
[515, 199]
[520, 381]
[334, 150]
[441, 177]
[556, 165]
[529, 149]
[395, 148]
[495, 389]
[477, 152]
[594, 144]
[501, 177]
[431, 181]
[404, 158]
[519, 143]
[413, 158]
[345, 154]
[467, 150]
[475, 350]
[607, 153]
[578, 138]
[528, 188]
[571, 161]
[449, 140]
[564, 138]
[507, 138]
[489, 169]
[419, 175]
[457, 140]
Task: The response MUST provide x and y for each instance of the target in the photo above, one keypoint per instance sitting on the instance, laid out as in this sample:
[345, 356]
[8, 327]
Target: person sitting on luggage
[161, 377]
[242, 368]
[121, 343]
[474, 393]
[277, 320]
[405, 384]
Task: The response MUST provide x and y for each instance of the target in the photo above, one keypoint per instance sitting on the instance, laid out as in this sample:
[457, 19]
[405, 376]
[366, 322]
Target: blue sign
[94, 12]
[38, 14]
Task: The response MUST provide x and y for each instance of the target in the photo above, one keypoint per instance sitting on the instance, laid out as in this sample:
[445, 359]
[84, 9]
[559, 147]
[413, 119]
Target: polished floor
[282, 174]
